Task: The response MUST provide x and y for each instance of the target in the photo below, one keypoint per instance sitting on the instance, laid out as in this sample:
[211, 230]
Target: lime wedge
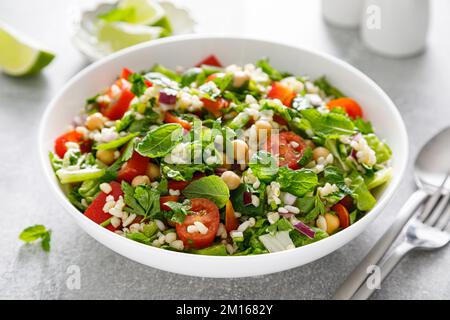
[119, 35]
[20, 56]
[147, 12]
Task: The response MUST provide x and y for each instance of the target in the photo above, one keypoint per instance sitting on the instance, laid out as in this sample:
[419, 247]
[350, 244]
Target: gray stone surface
[419, 86]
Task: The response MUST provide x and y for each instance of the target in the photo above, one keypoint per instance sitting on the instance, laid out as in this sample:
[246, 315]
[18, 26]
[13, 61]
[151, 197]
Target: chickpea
[263, 129]
[240, 150]
[138, 180]
[106, 156]
[320, 152]
[94, 121]
[153, 171]
[231, 179]
[332, 222]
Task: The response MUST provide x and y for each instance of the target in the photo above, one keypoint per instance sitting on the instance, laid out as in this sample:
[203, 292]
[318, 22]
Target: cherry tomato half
[350, 106]
[210, 60]
[281, 92]
[71, 136]
[215, 106]
[171, 118]
[206, 212]
[344, 217]
[288, 146]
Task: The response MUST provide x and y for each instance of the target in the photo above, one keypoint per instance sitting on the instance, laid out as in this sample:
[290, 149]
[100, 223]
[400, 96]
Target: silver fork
[429, 230]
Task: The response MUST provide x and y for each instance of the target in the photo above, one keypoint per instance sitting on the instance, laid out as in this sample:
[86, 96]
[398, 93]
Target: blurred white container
[396, 28]
[343, 13]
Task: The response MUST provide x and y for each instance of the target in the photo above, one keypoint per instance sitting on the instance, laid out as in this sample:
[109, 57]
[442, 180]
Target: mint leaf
[36, 232]
[179, 210]
[138, 85]
[160, 141]
[211, 187]
[141, 200]
[263, 166]
[297, 182]
[329, 125]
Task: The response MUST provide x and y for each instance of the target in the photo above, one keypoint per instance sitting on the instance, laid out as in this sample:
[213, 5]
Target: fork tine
[443, 222]
[438, 210]
[432, 200]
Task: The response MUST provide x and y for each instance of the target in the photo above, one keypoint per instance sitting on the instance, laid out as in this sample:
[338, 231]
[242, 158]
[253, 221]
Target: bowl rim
[369, 217]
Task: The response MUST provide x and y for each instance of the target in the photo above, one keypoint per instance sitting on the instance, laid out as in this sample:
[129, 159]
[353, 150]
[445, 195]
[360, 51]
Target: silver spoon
[430, 172]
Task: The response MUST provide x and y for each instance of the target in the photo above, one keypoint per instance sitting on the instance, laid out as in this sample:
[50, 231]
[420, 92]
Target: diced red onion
[353, 154]
[219, 171]
[247, 198]
[306, 230]
[167, 98]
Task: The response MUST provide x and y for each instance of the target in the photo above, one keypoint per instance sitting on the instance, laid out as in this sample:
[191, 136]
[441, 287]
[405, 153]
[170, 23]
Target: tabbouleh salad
[221, 160]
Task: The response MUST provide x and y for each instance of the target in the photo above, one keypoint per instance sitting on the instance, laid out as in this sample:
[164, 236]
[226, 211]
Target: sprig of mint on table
[37, 232]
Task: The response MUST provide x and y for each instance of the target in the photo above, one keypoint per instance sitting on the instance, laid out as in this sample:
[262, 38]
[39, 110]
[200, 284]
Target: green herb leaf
[365, 201]
[138, 85]
[274, 74]
[328, 125]
[160, 141]
[211, 187]
[297, 182]
[237, 198]
[115, 143]
[36, 232]
[179, 210]
[141, 200]
[365, 127]
[306, 157]
[327, 88]
[263, 166]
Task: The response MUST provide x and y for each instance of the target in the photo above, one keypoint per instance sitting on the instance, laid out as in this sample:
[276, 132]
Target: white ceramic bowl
[186, 51]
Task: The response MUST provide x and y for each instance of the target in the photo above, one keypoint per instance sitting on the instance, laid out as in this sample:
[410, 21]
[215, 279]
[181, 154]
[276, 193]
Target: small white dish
[230, 50]
[84, 26]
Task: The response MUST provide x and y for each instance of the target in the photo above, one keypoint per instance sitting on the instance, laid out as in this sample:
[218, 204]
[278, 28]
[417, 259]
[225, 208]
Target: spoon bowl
[433, 162]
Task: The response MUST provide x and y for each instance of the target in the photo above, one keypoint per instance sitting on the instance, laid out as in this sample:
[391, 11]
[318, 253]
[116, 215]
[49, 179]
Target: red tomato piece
[350, 106]
[231, 222]
[215, 107]
[120, 103]
[171, 118]
[342, 212]
[164, 199]
[95, 210]
[126, 73]
[71, 136]
[206, 212]
[288, 146]
[281, 92]
[136, 166]
[210, 61]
